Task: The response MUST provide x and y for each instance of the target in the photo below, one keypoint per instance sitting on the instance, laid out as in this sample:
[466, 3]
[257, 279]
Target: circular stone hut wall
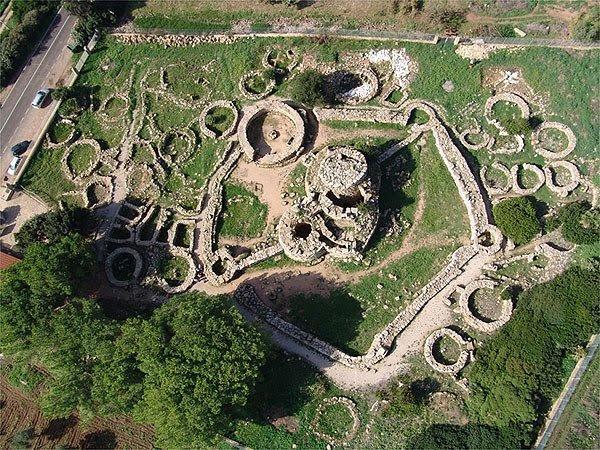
[271, 133]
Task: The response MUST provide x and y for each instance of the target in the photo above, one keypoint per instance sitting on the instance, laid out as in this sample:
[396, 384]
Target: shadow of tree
[103, 439]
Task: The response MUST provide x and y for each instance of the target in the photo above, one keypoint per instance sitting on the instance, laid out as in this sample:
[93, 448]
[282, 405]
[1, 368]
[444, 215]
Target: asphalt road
[34, 76]
[47, 68]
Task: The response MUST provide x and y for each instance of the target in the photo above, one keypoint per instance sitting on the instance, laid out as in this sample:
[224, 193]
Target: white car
[12, 167]
[39, 98]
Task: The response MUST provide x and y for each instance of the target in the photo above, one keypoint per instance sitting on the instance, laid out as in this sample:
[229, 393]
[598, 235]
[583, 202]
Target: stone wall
[471, 319]
[463, 358]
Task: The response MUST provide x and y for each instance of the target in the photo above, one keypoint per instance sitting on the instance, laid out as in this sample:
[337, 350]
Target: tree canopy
[308, 87]
[201, 360]
[516, 217]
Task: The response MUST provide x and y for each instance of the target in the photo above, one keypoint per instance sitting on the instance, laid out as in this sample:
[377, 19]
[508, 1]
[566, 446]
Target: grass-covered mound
[516, 217]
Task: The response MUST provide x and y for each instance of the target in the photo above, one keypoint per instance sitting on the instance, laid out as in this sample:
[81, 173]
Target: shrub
[15, 47]
[580, 223]
[517, 219]
[519, 125]
[308, 88]
[587, 26]
[22, 439]
[450, 16]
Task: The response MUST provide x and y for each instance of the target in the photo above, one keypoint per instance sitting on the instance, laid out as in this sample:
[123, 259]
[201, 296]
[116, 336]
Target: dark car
[20, 148]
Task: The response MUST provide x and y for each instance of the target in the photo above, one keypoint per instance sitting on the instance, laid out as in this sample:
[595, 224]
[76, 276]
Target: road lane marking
[34, 73]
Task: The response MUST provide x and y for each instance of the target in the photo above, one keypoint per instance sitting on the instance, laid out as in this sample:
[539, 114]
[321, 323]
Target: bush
[520, 125]
[51, 226]
[15, 47]
[450, 16]
[587, 26]
[580, 223]
[308, 88]
[517, 219]
[516, 377]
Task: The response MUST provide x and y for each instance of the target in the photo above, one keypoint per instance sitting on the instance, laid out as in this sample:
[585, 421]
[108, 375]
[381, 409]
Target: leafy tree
[580, 223]
[118, 379]
[73, 340]
[22, 7]
[31, 289]
[471, 436]
[201, 361]
[515, 377]
[51, 226]
[308, 88]
[587, 26]
[517, 219]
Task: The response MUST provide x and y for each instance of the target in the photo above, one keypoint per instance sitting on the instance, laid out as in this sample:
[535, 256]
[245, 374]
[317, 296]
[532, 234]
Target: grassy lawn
[243, 214]
[579, 425]
[81, 158]
[352, 315]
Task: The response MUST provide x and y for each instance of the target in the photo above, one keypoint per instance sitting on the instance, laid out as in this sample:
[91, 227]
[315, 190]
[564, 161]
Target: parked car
[12, 167]
[39, 98]
[20, 148]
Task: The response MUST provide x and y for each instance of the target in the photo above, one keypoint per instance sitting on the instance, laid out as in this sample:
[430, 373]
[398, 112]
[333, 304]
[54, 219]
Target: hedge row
[21, 40]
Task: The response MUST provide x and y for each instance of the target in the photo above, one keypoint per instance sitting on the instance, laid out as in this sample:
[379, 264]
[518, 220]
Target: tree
[580, 223]
[22, 7]
[51, 226]
[73, 340]
[32, 289]
[308, 88]
[587, 26]
[515, 378]
[201, 361]
[118, 380]
[516, 217]
[451, 15]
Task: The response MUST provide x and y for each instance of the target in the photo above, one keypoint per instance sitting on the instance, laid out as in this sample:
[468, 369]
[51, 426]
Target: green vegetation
[308, 88]
[578, 426]
[516, 217]
[52, 226]
[580, 223]
[350, 316]
[587, 26]
[515, 378]
[33, 17]
[22, 439]
[148, 367]
[219, 119]
[173, 269]
[243, 214]
[81, 158]
[335, 421]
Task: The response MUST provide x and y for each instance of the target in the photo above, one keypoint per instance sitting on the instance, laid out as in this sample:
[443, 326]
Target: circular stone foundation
[531, 168]
[186, 282]
[167, 150]
[536, 140]
[487, 326]
[123, 256]
[271, 133]
[353, 85]
[299, 237]
[353, 414]
[441, 366]
[210, 132]
[245, 85]
[94, 160]
[492, 186]
[562, 188]
[52, 143]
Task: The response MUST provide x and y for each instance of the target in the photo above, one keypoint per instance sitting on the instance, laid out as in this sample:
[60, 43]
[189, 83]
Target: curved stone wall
[242, 85]
[211, 106]
[292, 149]
[109, 270]
[562, 190]
[469, 316]
[350, 434]
[516, 186]
[548, 154]
[441, 367]
[495, 189]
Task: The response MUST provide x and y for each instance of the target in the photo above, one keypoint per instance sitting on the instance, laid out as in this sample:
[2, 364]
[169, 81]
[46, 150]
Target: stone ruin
[340, 211]
[486, 326]
[441, 366]
[349, 434]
